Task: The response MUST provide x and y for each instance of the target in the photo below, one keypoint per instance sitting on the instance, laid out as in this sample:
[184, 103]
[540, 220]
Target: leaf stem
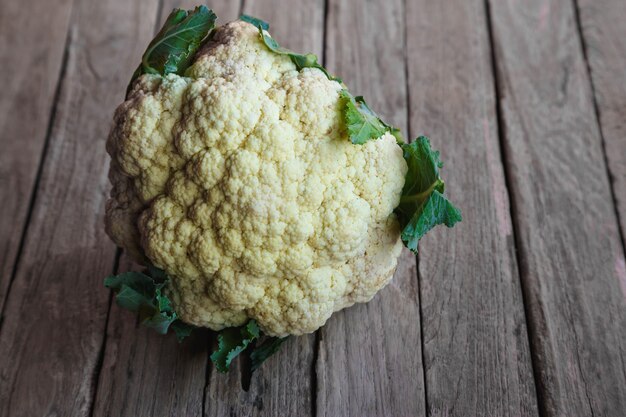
[421, 196]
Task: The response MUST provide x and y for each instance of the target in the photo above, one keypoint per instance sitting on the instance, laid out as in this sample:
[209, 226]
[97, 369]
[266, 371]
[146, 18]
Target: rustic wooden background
[520, 310]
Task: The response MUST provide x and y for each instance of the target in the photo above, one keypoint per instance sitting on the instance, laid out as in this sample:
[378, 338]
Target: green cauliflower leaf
[299, 60]
[362, 122]
[423, 205]
[143, 293]
[255, 21]
[231, 342]
[264, 350]
[173, 48]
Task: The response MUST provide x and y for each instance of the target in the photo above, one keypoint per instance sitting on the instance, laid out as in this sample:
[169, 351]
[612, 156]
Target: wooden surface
[476, 352]
[34, 79]
[520, 310]
[571, 256]
[54, 317]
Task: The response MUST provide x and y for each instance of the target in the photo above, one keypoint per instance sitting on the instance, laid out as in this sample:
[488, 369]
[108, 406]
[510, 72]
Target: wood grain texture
[55, 314]
[476, 351]
[369, 360]
[603, 27]
[571, 259]
[58, 357]
[143, 373]
[32, 38]
[283, 386]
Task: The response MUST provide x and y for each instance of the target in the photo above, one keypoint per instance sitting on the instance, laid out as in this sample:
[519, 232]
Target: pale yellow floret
[239, 180]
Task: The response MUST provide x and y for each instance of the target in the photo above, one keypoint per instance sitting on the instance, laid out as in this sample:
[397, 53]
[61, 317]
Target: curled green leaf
[231, 342]
[264, 350]
[255, 21]
[362, 122]
[423, 205]
[181, 329]
[143, 293]
[173, 48]
[300, 60]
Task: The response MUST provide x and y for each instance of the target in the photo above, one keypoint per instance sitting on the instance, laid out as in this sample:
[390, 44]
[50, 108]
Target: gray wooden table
[520, 310]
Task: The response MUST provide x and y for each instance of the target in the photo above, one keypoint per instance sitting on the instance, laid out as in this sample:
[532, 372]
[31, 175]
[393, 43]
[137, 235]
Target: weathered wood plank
[369, 360]
[55, 315]
[283, 386]
[32, 38]
[604, 35]
[143, 373]
[476, 351]
[571, 259]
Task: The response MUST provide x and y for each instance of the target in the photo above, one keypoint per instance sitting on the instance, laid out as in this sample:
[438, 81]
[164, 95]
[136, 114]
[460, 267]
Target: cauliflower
[250, 179]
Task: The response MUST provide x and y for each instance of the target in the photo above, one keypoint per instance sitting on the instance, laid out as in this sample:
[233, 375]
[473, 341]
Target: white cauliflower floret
[239, 180]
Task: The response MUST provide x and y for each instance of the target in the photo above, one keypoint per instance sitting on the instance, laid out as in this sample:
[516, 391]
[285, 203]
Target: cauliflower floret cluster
[239, 180]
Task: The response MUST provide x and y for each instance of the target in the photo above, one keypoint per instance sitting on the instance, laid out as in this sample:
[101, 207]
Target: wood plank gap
[100, 360]
[530, 330]
[409, 129]
[409, 132]
[596, 109]
[42, 158]
[421, 325]
[314, 383]
[209, 368]
[325, 33]
[245, 370]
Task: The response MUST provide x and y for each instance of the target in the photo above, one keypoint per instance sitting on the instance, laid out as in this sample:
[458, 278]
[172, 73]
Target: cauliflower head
[239, 180]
